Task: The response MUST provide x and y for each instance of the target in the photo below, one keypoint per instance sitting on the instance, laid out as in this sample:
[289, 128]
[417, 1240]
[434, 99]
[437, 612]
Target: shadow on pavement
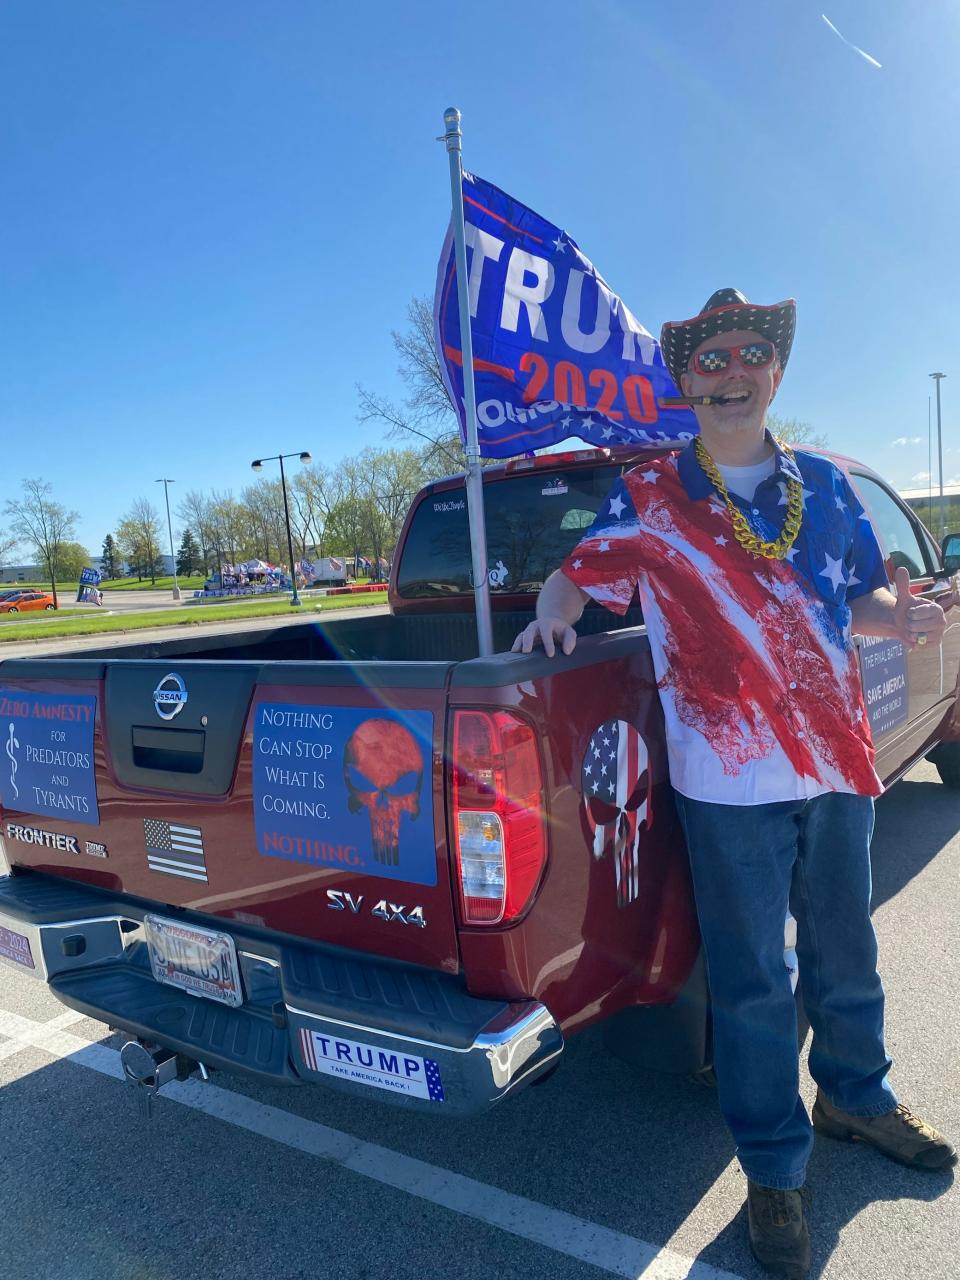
[915, 820]
[842, 1180]
[186, 1195]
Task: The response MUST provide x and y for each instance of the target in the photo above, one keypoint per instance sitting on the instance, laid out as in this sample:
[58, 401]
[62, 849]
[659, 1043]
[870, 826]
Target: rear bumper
[374, 1029]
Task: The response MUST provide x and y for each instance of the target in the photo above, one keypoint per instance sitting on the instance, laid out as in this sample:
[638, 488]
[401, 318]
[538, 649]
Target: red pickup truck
[353, 853]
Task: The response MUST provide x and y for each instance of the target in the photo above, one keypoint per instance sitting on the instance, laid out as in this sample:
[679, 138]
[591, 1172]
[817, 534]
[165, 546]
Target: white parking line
[612, 1251]
[65, 1019]
[10, 1048]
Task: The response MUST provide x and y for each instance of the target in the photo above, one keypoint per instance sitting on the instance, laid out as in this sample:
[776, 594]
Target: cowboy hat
[723, 311]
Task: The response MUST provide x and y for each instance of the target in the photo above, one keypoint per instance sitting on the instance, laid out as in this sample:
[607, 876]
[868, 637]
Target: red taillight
[498, 822]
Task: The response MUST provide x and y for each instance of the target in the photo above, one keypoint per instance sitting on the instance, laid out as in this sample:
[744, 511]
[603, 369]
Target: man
[749, 560]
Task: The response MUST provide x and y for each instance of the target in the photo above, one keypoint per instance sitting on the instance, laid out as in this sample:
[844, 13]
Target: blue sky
[214, 213]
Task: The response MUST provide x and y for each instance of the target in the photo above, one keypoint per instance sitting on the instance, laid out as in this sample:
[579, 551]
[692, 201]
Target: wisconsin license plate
[200, 961]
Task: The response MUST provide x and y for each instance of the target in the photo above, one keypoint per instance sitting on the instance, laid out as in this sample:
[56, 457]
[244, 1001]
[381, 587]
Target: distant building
[22, 573]
[927, 506]
[127, 572]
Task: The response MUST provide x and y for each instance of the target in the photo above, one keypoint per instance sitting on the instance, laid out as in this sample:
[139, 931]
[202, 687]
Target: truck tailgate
[302, 797]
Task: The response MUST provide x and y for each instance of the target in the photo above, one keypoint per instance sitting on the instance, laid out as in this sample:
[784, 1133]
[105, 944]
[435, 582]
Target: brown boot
[778, 1230]
[899, 1134]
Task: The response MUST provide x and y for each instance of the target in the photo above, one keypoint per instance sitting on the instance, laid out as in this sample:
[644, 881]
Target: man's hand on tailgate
[559, 605]
[548, 632]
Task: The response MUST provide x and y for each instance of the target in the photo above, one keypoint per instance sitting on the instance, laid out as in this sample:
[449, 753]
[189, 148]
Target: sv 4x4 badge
[340, 900]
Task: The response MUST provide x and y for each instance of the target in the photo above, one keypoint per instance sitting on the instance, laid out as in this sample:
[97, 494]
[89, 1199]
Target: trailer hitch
[147, 1068]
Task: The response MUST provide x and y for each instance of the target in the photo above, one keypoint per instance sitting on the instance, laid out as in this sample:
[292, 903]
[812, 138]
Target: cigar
[679, 402]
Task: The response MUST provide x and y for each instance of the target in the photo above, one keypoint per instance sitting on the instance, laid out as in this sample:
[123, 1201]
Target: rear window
[533, 521]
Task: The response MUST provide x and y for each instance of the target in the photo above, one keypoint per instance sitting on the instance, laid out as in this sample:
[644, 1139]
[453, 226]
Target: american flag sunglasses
[753, 355]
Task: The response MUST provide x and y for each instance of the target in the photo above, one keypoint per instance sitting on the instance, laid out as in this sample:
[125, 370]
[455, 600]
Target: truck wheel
[946, 757]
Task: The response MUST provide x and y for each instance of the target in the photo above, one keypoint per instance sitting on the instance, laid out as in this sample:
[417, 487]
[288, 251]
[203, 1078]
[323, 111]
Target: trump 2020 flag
[88, 591]
[556, 352]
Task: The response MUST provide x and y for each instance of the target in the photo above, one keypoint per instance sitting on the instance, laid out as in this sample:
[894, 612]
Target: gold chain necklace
[776, 550]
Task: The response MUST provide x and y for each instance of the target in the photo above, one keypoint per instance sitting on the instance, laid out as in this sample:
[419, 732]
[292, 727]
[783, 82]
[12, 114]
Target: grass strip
[19, 619]
[193, 583]
[88, 626]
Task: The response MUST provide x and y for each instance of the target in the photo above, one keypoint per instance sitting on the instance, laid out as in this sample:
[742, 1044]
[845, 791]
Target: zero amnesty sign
[46, 754]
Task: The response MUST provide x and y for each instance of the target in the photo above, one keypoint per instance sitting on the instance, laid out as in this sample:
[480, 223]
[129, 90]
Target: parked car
[26, 601]
[353, 853]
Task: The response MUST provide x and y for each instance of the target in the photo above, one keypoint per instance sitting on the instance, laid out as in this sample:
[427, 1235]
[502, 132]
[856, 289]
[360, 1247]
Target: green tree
[349, 528]
[110, 558]
[794, 432]
[71, 558]
[41, 523]
[189, 559]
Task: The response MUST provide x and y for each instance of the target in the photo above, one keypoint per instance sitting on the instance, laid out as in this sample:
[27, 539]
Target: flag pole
[478, 528]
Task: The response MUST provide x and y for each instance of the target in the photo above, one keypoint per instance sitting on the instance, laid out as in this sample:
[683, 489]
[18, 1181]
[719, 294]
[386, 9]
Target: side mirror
[950, 550]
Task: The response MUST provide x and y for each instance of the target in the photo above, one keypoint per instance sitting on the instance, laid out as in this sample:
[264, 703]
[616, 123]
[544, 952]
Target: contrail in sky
[863, 54]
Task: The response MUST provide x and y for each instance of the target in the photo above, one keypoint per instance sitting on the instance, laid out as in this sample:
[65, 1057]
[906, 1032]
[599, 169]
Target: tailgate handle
[171, 750]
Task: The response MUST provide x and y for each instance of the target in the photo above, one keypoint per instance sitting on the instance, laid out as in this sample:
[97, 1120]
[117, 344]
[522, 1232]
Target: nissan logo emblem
[170, 696]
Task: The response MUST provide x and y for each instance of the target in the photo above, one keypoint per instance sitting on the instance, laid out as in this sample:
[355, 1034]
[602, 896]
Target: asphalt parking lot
[601, 1171]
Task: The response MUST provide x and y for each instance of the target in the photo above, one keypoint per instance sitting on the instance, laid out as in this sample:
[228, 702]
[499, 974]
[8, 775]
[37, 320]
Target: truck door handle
[170, 750]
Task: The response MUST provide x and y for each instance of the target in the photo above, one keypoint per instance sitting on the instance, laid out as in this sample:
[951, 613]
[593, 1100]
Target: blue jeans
[749, 863]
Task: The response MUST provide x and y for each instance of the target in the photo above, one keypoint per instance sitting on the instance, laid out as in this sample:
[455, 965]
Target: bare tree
[426, 412]
[263, 506]
[348, 523]
[139, 535]
[316, 491]
[194, 511]
[390, 479]
[793, 431]
[228, 536]
[42, 524]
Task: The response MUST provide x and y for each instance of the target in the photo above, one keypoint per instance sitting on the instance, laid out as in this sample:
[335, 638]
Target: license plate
[199, 961]
[16, 947]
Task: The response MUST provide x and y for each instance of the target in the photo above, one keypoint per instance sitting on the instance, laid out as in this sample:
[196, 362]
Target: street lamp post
[938, 378]
[173, 557]
[257, 465]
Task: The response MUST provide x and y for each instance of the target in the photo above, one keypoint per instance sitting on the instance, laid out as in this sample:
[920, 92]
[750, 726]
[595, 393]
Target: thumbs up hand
[917, 622]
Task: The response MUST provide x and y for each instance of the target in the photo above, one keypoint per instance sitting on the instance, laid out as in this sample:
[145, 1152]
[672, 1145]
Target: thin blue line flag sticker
[46, 755]
[556, 352]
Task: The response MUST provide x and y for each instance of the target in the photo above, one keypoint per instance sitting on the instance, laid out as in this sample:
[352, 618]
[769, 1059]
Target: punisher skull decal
[615, 781]
[383, 772]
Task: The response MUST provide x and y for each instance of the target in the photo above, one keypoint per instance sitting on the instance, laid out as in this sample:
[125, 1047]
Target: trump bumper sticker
[367, 1064]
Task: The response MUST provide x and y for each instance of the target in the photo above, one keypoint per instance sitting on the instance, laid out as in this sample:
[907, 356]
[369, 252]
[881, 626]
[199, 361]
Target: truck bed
[440, 637]
[261, 821]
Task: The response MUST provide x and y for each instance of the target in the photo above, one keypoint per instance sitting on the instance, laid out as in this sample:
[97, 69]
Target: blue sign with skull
[346, 787]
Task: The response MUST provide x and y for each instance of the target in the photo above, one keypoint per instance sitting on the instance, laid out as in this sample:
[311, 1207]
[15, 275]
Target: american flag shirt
[756, 669]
